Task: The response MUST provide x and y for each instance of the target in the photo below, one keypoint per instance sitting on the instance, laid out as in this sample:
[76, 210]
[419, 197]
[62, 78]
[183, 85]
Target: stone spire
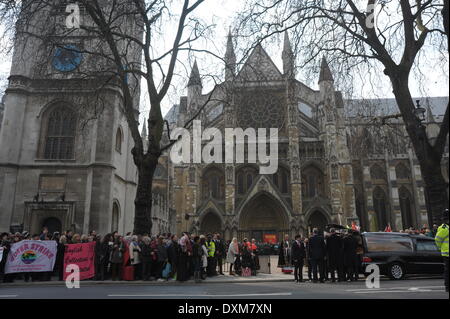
[194, 89]
[230, 59]
[325, 73]
[288, 57]
[194, 78]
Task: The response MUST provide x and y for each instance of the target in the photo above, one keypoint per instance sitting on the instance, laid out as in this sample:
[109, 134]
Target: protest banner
[270, 238]
[81, 255]
[31, 256]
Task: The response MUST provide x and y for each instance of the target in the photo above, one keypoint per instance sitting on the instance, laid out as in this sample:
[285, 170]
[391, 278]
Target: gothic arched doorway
[317, 220]
[210, 224]
[263, 219]
[53, 224]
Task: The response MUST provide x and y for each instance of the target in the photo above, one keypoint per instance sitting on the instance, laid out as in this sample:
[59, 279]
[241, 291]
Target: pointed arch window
[377, 172]
[312, 182]
[406, 207]
[245, 178]
[119, 139]
[249, 180]
[380, 207]
[281, 180]
[402, 172]
[115, 217]
[213, 184]
[240, 183]
[59, 137]
[284, 182]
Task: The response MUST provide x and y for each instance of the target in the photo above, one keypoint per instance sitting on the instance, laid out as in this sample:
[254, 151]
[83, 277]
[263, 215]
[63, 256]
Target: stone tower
[337, 155]
[65, 145]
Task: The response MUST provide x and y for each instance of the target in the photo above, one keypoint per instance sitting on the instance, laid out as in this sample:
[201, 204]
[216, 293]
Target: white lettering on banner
[31, 256]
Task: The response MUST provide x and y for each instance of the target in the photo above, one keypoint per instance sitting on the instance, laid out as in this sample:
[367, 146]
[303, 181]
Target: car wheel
[396, 271]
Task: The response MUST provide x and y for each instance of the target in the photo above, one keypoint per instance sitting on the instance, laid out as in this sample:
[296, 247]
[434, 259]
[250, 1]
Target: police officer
[442, 243]
[211, 246]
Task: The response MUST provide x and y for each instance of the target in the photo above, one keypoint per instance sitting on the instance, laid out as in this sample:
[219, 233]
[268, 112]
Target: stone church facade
[65, 146]
[314, 183]
[323, 176]
[65, 151]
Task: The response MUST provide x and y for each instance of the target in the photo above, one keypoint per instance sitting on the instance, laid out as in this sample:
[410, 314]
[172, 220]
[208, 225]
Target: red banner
[270, 238]
[83, 256]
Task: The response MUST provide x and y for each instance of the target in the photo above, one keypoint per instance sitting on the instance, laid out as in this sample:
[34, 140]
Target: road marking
[179, 295]
[395, 288]
[393, 291]
[8, 296]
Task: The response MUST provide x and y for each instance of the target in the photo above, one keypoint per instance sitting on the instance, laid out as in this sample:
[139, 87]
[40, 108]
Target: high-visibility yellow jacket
[441, 239]
[211, 248]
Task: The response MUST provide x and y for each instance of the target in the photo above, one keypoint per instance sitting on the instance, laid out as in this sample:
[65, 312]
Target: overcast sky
[220, 14]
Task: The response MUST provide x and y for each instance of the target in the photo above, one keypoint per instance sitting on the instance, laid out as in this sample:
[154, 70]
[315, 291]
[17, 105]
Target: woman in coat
[197, 254]
[233, 253]
[204, 256]
[173, 251]
[59, 262]
[161, 257]
[117, 258]
[135, 251]
[146, 258]
[182, 268]
[255, 252]
[104, 257]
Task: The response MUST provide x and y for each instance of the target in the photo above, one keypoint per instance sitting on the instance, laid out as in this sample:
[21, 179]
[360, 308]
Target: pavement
[220, 279]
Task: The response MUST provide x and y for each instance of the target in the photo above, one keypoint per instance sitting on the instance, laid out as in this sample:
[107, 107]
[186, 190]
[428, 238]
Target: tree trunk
[143, 200]
[435, 192]
[429, 160]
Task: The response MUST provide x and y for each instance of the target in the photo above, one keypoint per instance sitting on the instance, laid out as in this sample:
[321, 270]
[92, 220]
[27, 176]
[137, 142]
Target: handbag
[246, 272]
[167, 270]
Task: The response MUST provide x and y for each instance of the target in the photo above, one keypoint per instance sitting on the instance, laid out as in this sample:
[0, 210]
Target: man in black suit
[335, 252]
[298, 253]
[317, 251]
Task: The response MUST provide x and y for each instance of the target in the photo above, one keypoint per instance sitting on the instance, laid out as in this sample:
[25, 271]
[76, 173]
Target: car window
[426, 245]
[388, 243]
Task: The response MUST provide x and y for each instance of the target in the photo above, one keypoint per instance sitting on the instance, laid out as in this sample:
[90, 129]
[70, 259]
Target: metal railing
[264, 264]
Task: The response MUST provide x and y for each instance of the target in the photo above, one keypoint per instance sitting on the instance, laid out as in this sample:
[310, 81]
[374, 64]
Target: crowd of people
[162, 257]
[335, 256]
[425, 230]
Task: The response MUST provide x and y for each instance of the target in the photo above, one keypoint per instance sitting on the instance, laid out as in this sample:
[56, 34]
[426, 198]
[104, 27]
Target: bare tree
[132, 46]
[387, 37]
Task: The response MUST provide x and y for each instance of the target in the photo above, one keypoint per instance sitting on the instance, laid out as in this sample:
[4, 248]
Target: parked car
[398, 254]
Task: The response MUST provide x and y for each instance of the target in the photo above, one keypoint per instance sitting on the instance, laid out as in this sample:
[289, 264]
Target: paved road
[410, 288]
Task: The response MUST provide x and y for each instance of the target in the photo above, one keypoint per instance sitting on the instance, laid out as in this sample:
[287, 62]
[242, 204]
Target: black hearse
[398, 254]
